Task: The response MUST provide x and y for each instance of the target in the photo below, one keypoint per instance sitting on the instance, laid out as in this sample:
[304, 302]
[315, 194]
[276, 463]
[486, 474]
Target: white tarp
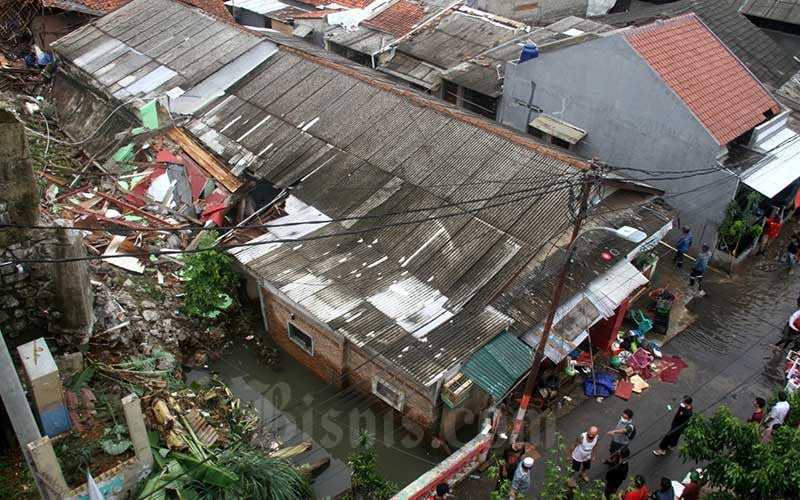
[779, 168]
[556, 348]
[257, 6]
[609, 290]
[599, 7]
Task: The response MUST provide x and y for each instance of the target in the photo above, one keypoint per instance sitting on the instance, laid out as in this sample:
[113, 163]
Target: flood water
[331, 418]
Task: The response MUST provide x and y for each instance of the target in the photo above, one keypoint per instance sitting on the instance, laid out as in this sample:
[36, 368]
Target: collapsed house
[415, 233]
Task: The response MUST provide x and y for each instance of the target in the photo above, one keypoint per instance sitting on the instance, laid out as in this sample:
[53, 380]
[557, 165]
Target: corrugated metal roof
[410, 281]
[364, 40]
[482, 70]
[146, 49]
[779, 168]
[363, 151]
[786, 11]
[499, 364]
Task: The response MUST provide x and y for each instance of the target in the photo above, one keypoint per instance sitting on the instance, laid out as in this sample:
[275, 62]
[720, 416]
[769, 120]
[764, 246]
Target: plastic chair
[643, 323]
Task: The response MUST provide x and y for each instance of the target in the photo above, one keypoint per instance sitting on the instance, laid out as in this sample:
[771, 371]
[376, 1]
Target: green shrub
[210, 280]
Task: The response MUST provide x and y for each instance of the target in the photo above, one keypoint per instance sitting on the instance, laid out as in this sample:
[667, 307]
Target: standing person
[639, 491]
[522, 478]
[758, 414]
[682, 246]
[791, 253]
[442, 491]
[691, 491]
[664, 491]
[777, 414]
[679, 423]
[791, 332]
[700, 267]
[622, 434]
[772, 227]
[584, 452]
[617, 473]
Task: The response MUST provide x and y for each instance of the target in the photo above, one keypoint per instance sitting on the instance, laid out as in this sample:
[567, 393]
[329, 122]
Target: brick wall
[333, 354]
[328, 352]
[417, 405]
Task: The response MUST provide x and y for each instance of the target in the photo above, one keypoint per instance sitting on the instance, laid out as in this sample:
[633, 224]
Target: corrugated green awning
[499, 364]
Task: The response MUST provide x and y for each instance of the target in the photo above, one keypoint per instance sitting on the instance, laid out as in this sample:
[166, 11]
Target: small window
[299, 337]
[535, 132]
[555, 141]
[450, 92]
[388, 393]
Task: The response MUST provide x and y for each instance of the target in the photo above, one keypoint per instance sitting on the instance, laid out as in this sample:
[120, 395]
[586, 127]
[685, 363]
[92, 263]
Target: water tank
[529, 51]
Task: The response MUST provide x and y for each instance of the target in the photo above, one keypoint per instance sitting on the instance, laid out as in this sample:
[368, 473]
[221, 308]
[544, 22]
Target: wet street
[731, 361]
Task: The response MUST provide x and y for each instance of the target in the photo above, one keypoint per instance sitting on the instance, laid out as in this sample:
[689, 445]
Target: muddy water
[743, 312]
[331, 418]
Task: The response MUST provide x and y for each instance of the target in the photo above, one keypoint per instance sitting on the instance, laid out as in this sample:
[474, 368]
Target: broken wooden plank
[205, 160]
[134, 209]
[121, 222]
[72, 193]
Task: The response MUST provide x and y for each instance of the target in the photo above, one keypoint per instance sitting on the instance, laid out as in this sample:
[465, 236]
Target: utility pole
[18, 409]
[533, 376]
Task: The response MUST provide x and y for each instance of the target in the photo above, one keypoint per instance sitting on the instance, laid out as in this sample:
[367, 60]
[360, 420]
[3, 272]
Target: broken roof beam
[205, 160]
[134, 209]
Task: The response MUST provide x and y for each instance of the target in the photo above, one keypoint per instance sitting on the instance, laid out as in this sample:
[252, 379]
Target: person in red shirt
[691, 491]
[758, 413]
[639, 492]
[772, 227]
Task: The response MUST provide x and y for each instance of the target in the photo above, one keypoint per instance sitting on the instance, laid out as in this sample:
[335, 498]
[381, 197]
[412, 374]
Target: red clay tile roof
[315, 14]
[214, 7]
[350, 4]
[96, 5]
[706, 76]
[285, 14]
[399, 18]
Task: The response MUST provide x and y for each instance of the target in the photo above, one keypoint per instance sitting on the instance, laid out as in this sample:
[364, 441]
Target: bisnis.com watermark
[339, 421]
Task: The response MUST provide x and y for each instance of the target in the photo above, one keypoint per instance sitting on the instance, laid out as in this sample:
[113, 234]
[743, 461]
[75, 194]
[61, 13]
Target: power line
[272, 241]
[533, 191]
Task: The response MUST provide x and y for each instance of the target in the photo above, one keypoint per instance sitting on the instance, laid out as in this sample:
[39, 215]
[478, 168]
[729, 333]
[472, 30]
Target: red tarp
[671, 373]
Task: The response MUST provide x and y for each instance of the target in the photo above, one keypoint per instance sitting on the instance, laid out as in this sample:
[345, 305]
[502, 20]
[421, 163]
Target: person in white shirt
[777, 415]
[584, 452]
[791, 332]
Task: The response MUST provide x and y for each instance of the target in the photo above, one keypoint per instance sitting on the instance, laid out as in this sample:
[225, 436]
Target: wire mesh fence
[15, 18]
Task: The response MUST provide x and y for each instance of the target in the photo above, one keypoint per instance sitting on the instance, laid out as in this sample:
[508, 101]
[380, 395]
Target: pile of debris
[199, 432]
[139, 201]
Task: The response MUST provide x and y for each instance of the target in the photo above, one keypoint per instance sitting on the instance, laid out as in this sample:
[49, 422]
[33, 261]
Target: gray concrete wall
[532, 11]
[632, 120]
